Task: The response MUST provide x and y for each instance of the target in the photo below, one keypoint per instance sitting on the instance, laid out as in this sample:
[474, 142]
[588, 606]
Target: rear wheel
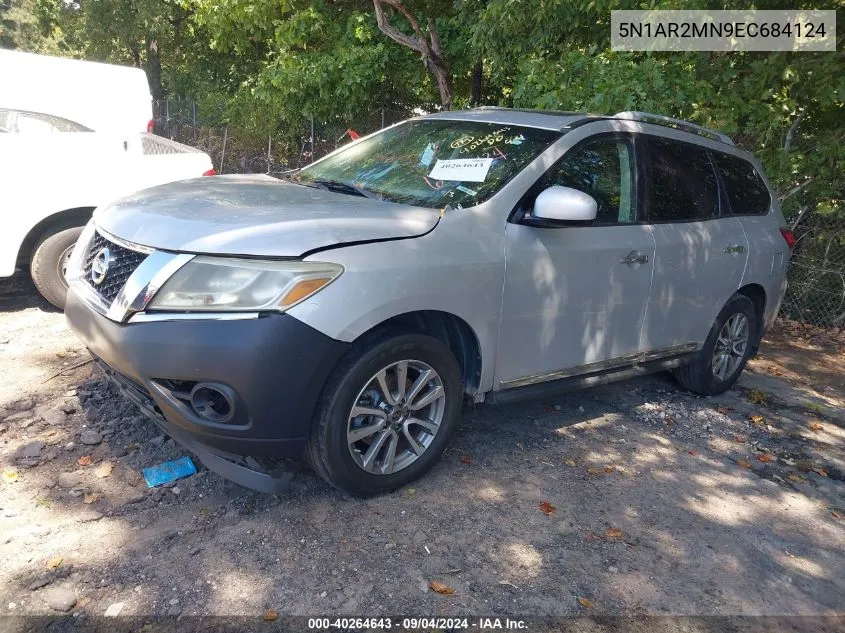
[386, 415]
[48, 266]
[726, 350]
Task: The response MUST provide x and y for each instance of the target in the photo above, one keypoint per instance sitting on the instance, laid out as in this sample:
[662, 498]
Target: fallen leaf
[693, 453]
[756, 419]
[104, 469]
[585, 602]
[42, 502]
[837, 515]
[90, 498]
[613, 533]
[723, 410]
[765, 458]
[608, 469]
[740, 439]
[570, 462]
[438, 587]
[756, 396]
[796, 478]
[54, 563]
[270, 615]
[815, 427]
[593, 470]
[85, 460]
[410, 492]
[547, 508]
[743, 463]
[10, 476]
[819, 471]
[466, 459]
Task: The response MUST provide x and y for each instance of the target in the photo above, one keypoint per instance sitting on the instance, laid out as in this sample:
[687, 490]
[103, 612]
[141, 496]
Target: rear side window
[747, 193]
[682, 185]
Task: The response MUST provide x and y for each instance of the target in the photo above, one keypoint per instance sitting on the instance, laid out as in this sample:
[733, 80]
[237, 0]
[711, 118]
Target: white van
[73, 136]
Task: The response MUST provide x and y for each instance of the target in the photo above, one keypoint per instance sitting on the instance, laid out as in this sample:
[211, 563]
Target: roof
[544, 119]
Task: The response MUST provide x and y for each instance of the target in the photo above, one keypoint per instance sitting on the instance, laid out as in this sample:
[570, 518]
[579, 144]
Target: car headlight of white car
[222, 284]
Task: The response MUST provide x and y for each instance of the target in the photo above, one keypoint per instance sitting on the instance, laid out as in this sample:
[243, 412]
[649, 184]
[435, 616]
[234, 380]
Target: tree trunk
[426, 44]
[154, 70]
[477, 78]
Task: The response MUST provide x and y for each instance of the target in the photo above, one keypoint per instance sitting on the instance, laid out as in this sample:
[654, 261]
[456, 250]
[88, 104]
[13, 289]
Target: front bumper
[275, 365]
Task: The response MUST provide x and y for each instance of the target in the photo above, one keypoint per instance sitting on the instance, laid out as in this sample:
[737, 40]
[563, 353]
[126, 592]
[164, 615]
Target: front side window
[682, 183]
[604, 169]
[431, 163]
[746, 190]
[36, 123]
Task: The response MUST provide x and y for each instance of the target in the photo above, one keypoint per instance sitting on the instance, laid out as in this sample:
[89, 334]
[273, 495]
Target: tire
[706, 375]
[341, 461]
[46, 265]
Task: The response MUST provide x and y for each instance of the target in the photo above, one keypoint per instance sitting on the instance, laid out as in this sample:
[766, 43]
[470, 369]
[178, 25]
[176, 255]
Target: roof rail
[685, 126]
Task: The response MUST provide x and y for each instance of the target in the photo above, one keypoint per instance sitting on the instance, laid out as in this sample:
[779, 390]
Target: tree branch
[787, 143]
[392, 32]
[796, 189]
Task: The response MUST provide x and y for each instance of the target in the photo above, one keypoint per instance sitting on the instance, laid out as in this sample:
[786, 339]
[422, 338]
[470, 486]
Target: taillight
[150, 126]
[789, 236]
[209, 172]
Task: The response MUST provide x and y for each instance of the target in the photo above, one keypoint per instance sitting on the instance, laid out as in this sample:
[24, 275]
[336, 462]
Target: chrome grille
[123, 263]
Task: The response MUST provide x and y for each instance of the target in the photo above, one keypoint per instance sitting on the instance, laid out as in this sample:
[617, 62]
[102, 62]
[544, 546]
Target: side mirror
[562, 204]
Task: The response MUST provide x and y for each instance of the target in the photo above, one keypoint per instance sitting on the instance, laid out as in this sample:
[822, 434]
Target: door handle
[735, 248]
[634, 258]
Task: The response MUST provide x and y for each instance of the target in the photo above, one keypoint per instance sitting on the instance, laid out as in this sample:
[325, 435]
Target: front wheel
[726, 350]
[386, 415]
[48, 266]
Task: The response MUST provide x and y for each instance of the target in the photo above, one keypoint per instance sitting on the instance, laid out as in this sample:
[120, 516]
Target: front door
[575, 296]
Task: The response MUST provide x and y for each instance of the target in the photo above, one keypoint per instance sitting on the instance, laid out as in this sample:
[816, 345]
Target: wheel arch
[757, 294]
[59, 221]
[448, 328]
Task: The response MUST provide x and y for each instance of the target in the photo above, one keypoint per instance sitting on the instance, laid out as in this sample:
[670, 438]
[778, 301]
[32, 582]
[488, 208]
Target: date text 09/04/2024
[417, 623]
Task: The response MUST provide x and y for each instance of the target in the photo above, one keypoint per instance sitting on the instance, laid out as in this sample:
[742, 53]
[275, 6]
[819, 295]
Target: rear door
[575, 296]
[700, 252]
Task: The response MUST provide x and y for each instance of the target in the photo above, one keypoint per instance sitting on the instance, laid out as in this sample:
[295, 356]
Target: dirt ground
[631, 499]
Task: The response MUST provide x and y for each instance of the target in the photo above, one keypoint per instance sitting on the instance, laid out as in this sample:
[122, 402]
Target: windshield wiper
[343, 187]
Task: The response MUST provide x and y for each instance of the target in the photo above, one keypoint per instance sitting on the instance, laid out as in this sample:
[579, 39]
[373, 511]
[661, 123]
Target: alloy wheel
[395, 417]
[730, 347]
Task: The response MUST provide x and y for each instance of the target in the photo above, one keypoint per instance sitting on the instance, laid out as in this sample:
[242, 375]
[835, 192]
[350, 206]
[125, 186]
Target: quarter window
[682, 185]
[746, 190]
[603, 168]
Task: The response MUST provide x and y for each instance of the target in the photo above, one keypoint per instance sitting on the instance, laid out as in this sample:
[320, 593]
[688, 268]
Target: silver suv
[488, 254]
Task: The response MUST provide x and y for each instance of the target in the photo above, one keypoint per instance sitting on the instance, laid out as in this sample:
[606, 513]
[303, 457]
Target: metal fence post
[223, 152]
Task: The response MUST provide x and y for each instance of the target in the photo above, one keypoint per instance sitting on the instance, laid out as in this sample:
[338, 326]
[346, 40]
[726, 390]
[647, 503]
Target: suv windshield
[431, 163]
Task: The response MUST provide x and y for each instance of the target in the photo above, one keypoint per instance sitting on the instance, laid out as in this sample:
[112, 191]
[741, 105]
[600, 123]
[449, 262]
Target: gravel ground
[631, 499]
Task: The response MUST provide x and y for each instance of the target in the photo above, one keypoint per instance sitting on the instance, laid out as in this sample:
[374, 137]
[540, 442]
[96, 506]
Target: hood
[256, 215]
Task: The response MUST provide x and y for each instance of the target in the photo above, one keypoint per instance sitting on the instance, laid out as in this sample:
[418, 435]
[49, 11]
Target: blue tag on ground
[169, 471]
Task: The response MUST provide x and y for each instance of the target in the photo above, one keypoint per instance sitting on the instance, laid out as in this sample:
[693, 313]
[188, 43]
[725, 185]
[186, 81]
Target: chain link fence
[234, 150]
[816, 290]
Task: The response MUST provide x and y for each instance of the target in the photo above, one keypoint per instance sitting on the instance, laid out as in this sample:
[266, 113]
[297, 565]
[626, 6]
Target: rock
[157, 494]
[176, 490]
[3, 428]
[60, 598]
[89, 516]
[17, 417]
[70, 446]
[420, 538]
[24, 405]
[70, 394]
[68, 407]
[90, 437]
[174, 602]
[43, 581]
[137, 497]
[114, 610]
[174, 612]
[69, 480]
[54, 417]
[31, 449]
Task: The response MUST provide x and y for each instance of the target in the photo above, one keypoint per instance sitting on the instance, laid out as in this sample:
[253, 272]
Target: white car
[73, 136]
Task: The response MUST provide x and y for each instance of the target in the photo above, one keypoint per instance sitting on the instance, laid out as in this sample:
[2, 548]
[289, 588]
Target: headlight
[220, 284]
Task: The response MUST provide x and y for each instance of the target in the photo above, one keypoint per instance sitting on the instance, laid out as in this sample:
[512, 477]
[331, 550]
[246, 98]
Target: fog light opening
[212, 402]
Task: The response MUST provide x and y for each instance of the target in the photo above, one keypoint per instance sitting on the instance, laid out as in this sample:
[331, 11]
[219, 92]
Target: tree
[426, 44]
